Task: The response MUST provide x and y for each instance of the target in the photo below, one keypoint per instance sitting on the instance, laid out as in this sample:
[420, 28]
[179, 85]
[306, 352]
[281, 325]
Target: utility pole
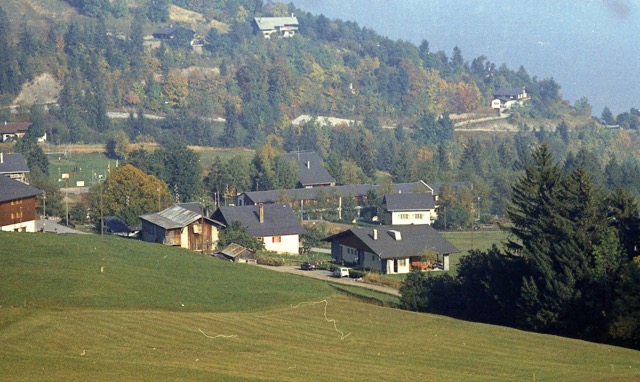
[101, 231]
[44, 202]
[66, 197]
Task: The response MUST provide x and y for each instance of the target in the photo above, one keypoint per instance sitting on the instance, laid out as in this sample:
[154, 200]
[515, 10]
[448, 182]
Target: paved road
[327, 276]
[52, 226]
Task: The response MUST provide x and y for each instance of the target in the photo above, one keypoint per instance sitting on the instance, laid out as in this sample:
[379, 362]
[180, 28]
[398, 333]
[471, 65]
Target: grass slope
[129, 324]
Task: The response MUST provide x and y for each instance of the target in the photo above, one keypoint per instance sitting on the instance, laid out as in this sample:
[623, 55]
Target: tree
[10, 78]
[181, 171]
[607, 116]
[35, 156]
[237, 233]
[117, 146]
[128, 193]
[158, 11]
[625, 325]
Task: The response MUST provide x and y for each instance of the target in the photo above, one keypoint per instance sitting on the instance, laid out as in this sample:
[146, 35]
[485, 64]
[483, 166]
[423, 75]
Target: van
[341, 272]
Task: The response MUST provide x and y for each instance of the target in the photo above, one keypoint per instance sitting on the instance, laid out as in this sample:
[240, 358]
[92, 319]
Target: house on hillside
[413, 208]
[312, 172]
[14, 166]
[390, 249]
[283, 27]
[172, 32]
[276, 225]
[182, 227]
[12, 131]
[17, 205]
[505, 98]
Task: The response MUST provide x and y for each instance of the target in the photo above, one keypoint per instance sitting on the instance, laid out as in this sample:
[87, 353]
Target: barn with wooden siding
[181, 227]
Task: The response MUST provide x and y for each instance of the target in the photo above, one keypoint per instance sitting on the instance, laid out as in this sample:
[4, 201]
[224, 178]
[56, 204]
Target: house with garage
[505, 98]
[311, 171]
[17, 205]
[14, 166]
[276, 225]
[282, 27]
[391, 249]
[409, 208]
[182, 227]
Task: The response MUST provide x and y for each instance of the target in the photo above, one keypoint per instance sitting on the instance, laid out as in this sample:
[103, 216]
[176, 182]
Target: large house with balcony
[17, 205]
[391, 249]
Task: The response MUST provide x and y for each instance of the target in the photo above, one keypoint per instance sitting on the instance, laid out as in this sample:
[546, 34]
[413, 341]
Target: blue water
[590, 47]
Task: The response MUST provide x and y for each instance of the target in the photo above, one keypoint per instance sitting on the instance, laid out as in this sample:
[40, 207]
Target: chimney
[375, 234]
[308, 164]
[261, 214]
[1, 157]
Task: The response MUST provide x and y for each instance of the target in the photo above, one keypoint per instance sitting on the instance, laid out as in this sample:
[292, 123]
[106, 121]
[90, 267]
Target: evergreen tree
[158, 11]
[10, 78]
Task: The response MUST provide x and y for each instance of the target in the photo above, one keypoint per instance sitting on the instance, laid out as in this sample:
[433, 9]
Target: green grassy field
[160, 313]
[89, 166]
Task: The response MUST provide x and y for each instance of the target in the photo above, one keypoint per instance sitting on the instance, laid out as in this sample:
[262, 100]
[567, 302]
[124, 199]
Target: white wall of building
[282, 244]
[411, 217]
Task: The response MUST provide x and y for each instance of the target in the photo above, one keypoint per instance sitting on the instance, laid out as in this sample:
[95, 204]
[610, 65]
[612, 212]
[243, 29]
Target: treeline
[570, 266]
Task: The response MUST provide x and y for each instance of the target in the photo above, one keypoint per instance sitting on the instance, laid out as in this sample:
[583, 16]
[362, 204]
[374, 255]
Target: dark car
[308, 266]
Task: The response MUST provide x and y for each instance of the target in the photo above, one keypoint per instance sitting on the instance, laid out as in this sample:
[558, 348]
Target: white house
[390, 249]
[413, 208]
[276, 225]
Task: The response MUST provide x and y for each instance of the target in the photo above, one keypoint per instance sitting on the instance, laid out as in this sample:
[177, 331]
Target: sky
[589, 47]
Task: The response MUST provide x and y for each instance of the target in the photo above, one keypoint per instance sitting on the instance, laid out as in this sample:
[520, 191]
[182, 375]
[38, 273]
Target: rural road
[326, 276]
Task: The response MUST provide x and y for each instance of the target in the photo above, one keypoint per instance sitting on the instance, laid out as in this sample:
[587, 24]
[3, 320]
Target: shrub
[269, 260]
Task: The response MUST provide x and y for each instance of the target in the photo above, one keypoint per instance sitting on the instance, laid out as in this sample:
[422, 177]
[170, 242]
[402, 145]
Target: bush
[356, 274]
[269, 260]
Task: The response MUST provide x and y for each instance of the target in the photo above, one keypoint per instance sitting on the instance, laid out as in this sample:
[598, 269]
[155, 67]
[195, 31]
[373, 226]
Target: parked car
[308, 266]
[341, 272]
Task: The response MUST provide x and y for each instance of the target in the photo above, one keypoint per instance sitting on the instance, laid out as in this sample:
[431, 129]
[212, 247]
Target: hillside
[165, 314]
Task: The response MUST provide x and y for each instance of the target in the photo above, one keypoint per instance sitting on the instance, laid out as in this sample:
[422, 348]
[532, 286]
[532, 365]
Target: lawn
[160, 313]
[87, 163]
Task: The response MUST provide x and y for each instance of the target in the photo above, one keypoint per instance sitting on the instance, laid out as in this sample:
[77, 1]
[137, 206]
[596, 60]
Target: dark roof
[312, 171]
[409, 202]
[12, 163]
[176, 217]
[511, 92]
[14, 127]
[115, 225]
[415, 239]
[11, 189]
[354, 190]
[279, 219]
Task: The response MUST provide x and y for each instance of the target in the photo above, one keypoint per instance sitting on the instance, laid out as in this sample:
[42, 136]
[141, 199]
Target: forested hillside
[241, 90]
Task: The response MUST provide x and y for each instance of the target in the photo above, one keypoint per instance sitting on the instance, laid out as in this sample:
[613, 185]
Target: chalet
[172, 32]
[17, 205]
[390, 249]
[505, 98]
[311, 170]
[182, 227]
[14, 166]
[280, 26]
[276, 225]
[413, 208]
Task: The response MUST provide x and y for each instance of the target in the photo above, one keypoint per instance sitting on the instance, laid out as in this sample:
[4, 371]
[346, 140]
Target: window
[276, 239]
[13, 216]
[402, 262]
[419, 216]
[404, 216]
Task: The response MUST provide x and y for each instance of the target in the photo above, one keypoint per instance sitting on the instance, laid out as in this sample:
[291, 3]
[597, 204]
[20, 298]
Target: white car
[341, 272]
